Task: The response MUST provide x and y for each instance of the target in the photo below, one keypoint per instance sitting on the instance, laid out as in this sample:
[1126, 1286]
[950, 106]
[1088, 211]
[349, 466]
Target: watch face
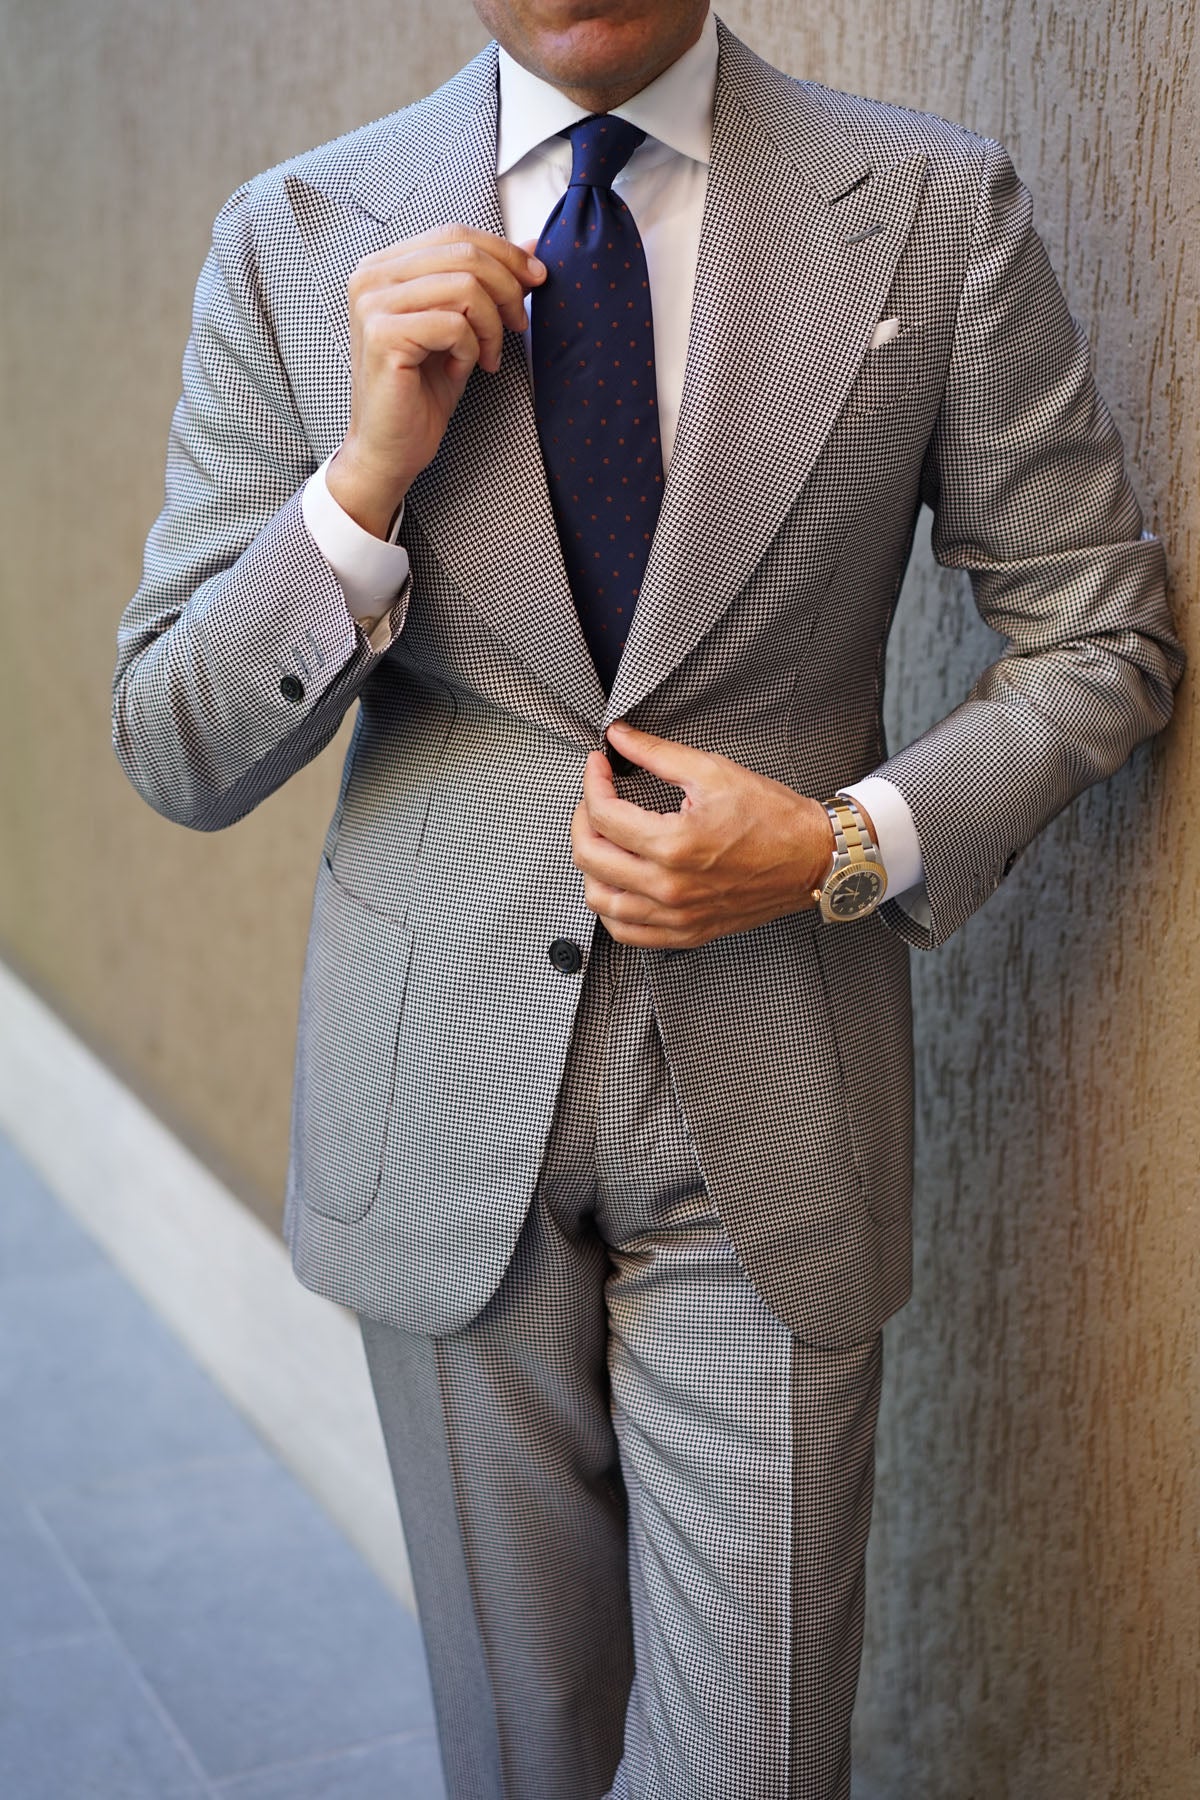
[856, 893]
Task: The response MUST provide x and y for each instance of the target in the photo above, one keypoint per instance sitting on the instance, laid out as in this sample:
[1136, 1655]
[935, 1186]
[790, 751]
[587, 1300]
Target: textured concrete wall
[1035, 1622]
[1036, 1603]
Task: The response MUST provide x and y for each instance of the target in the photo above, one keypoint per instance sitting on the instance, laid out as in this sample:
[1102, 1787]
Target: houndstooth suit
[434, 1028]
[431, 1014]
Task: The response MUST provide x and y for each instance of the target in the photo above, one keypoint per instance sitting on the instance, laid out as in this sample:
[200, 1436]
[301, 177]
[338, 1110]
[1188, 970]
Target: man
[624, 1205]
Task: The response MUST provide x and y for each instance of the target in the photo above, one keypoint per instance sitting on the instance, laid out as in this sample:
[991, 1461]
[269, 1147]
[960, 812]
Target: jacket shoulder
[333, 168]
[898, 129]
[804, 116]
[956, 160]
[336, 168]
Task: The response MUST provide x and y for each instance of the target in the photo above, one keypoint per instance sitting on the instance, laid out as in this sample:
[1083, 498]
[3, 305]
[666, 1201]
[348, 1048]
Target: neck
[603, 100]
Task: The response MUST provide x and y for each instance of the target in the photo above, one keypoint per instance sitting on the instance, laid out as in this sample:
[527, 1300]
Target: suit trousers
[636, 1507]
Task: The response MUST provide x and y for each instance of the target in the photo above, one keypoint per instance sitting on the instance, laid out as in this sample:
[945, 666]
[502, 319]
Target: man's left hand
[741, 850]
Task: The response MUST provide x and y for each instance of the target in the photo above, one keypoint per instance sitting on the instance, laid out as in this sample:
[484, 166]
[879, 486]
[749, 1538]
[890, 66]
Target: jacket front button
[291, 688]
[566, 957]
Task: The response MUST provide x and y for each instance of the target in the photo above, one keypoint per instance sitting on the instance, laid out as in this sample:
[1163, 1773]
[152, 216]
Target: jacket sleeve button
[291, 688]
[566, 957]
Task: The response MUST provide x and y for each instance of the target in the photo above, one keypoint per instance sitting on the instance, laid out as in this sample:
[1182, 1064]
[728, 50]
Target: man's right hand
[422, 314]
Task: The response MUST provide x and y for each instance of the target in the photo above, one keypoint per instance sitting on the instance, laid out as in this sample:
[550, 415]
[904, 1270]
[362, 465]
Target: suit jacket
[433, 1027]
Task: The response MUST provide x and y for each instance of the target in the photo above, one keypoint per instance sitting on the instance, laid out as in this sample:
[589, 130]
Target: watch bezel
[838, 878]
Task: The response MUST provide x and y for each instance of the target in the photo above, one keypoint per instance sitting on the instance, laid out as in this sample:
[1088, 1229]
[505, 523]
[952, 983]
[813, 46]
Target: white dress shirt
[663, 185]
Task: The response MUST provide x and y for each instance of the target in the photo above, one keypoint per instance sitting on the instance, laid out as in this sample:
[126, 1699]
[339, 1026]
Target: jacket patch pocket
[351, 1006]
[399, 748]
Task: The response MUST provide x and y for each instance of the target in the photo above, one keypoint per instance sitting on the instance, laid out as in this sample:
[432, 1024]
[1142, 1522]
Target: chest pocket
[895, 375]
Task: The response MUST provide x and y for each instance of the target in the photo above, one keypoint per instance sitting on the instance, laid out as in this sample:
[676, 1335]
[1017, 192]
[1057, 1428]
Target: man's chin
[598, 54]
[592, 48]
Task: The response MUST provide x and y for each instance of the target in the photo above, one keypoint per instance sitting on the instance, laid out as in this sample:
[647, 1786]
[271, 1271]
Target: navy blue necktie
[595, 393]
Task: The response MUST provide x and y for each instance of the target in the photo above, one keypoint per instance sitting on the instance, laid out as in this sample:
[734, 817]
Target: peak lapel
[482, 504]
[798, 250]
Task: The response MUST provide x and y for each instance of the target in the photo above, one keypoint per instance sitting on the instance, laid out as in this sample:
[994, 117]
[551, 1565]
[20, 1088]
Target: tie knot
[600, 148]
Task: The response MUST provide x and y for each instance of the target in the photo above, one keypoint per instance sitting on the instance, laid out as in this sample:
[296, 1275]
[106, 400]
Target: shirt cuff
[370, 570]
[897, 841]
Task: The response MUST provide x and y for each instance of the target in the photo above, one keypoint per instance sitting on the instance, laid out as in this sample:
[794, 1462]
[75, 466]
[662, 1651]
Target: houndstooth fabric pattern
[434, 1027]
[727, 1466]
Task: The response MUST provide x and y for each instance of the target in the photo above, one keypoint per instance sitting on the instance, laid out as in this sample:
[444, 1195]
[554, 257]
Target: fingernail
[536, 266]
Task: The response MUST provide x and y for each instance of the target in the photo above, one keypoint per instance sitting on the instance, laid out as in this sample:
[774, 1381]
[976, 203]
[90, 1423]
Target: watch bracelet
[850, 834]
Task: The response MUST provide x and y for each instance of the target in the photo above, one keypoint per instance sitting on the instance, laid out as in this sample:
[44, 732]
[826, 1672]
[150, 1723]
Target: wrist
[370, 497]
[818, 848]
[868, 821]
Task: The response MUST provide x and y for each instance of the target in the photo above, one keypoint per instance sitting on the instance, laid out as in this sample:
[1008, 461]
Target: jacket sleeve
[237, 657]
[1025, 477]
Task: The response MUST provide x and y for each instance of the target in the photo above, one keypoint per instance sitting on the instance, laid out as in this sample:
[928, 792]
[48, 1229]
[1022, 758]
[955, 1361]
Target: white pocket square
[886, 332]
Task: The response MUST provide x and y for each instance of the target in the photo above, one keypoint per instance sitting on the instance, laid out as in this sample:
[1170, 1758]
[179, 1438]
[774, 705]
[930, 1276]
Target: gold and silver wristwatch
[857, 881]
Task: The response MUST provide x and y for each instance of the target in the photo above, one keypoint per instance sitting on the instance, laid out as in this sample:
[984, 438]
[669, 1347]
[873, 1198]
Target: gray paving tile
[38, 1599]
[266, 1636]
[76, 1725]
[37, 1235]
[93, 1385]
[401, 1769]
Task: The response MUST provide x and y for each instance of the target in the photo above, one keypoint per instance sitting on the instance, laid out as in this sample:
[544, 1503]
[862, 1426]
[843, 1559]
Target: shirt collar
[676, 108]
